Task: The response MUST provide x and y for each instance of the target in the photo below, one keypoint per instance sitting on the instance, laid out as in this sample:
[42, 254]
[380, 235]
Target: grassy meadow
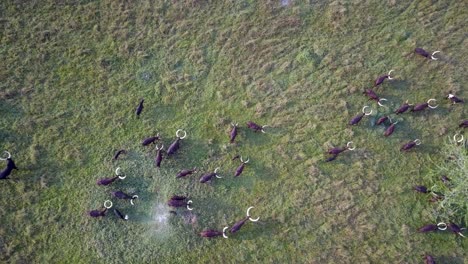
[73, 72]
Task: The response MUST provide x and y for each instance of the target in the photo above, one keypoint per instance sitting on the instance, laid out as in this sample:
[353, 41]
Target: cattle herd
[182, 201]
[458, 137]
[175, 200]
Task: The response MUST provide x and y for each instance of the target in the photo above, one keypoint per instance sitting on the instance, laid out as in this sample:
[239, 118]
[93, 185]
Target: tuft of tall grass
[454, 206]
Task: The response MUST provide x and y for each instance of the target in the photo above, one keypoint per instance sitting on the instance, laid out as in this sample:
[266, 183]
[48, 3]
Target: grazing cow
[256, 127]
[120, 215]
[9, 168]
[382, 78]
[408, 146]
[237, 226]
[213, 233]
[241, 167]
[420, 107]
[184, 173]
[122, 195]
[454, 99]
[463, 124]
[178, 197]
[139, 108]
[159, 156]
[428, 228]
[209, 176]
[422, 52]
[428, 259]
[107, 181]
[150, 140]
[381, 120]
[233, 134]
[456, 229]
[179, 201]
[390, 129]
[175, 145]
[421, 189]
[373, 96]
[403, 108]
[118, 153]
[355, 120]
[98, 213]
[101, 212]
[338, 150]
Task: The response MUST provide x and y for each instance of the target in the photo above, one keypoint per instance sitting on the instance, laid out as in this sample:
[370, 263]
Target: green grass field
[73, 72]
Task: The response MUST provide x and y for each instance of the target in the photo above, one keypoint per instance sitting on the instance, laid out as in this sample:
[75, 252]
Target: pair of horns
[389, 77]
[248, 215]
[429, 103]
[364, 110]
[8, 154]
[108, 204]
[432, 56]
[133, 197]
[392, 121]
[458, 138]
[443, 226]
[380, 101]
[117, 173]
[350, 143]
[417, 141]
[189, 208]
[180, 130]
[159, 148]
[247, 161]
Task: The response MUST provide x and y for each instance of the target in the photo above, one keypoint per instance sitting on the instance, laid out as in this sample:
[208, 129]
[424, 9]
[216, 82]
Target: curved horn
[390, 78]
[417, 141]
[433, 53]
[350, 143]
[224, 232]
[8, 153]
[219, 177]
[133, 197]
[248, 214]
[247, 161]
[108, 204]
[429, 103]
[188, 205]
[234, 125]
[162, 146]
[442, 226]
[263, 131]
[215, 171]
[364, 110]
[177, 133]
[381, 99]
[459, 140]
